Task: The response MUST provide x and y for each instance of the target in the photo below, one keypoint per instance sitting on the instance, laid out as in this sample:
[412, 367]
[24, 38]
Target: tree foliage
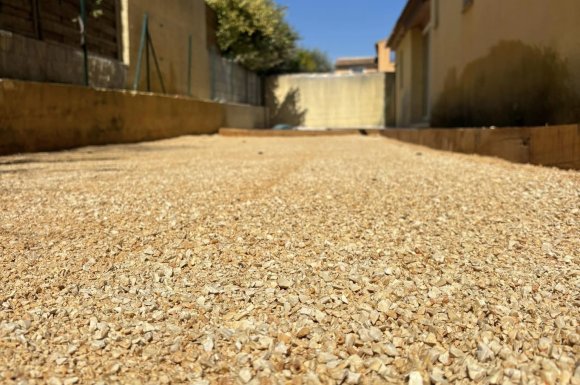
[254, 33]
[95, 8]
[306, 60]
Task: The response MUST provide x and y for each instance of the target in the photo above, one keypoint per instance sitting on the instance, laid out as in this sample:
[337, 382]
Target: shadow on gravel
[11, 162]
[12, 171]
[157, 148]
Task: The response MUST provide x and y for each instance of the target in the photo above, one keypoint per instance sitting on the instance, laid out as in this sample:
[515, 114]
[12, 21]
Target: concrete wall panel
[329, 101]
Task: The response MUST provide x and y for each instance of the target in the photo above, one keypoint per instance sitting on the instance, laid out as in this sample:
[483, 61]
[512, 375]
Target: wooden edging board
[557, 146]
[294, 133]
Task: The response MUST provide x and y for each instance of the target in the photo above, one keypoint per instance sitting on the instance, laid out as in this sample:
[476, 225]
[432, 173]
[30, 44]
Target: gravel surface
[338, 260]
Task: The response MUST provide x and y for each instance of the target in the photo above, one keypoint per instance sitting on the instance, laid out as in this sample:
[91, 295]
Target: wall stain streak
[514, 85]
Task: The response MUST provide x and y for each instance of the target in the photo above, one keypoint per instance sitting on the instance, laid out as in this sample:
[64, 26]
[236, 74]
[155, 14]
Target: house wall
[330, 101]
[170, 24]
[487, 56]
[409, 88]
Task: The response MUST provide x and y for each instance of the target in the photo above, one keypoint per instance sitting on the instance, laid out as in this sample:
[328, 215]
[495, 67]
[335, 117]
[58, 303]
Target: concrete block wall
[30, 59]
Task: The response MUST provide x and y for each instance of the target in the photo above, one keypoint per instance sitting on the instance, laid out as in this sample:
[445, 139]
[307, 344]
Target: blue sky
[343, 27]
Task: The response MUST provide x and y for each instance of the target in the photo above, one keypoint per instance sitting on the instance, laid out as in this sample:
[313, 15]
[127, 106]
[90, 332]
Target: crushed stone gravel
[340, 260]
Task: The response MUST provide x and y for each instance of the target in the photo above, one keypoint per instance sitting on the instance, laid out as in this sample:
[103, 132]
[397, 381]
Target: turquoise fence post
[83, 24]
[140, 53]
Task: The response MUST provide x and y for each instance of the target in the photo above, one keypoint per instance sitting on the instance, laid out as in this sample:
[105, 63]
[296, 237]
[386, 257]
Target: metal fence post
[157, 67]
[189, 59]
[212, 59]
[83, 25]
[140, 54]
[147, 58]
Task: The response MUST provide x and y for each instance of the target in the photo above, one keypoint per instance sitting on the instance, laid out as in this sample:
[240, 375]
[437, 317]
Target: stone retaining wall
[46, 117]
[557, 146]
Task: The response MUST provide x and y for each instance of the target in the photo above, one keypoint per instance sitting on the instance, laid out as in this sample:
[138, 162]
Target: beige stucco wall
[463, 38]
[170, 24]
[328, 101]
[409, 91]
[350, 71]
[244, 116]
[46, 117]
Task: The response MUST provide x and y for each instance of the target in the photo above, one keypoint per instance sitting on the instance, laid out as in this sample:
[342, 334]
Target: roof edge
[402, 22]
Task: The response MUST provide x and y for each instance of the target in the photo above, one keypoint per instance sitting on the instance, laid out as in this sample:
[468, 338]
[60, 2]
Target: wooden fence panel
[57, 21]
[17, 16]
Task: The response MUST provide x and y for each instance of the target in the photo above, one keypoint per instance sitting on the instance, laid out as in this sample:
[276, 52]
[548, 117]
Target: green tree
[308, 60]
[254, 33]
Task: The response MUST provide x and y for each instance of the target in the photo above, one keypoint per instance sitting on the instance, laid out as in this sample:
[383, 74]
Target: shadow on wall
[286, 111]
[514, 85]
[390, 97]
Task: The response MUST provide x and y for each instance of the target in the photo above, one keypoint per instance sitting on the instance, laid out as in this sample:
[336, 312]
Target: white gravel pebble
[335, 260]
[415, 378]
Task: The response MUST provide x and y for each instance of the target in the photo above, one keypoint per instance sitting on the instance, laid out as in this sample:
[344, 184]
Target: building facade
[382, 62]
[487, 62]
[357, 65]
